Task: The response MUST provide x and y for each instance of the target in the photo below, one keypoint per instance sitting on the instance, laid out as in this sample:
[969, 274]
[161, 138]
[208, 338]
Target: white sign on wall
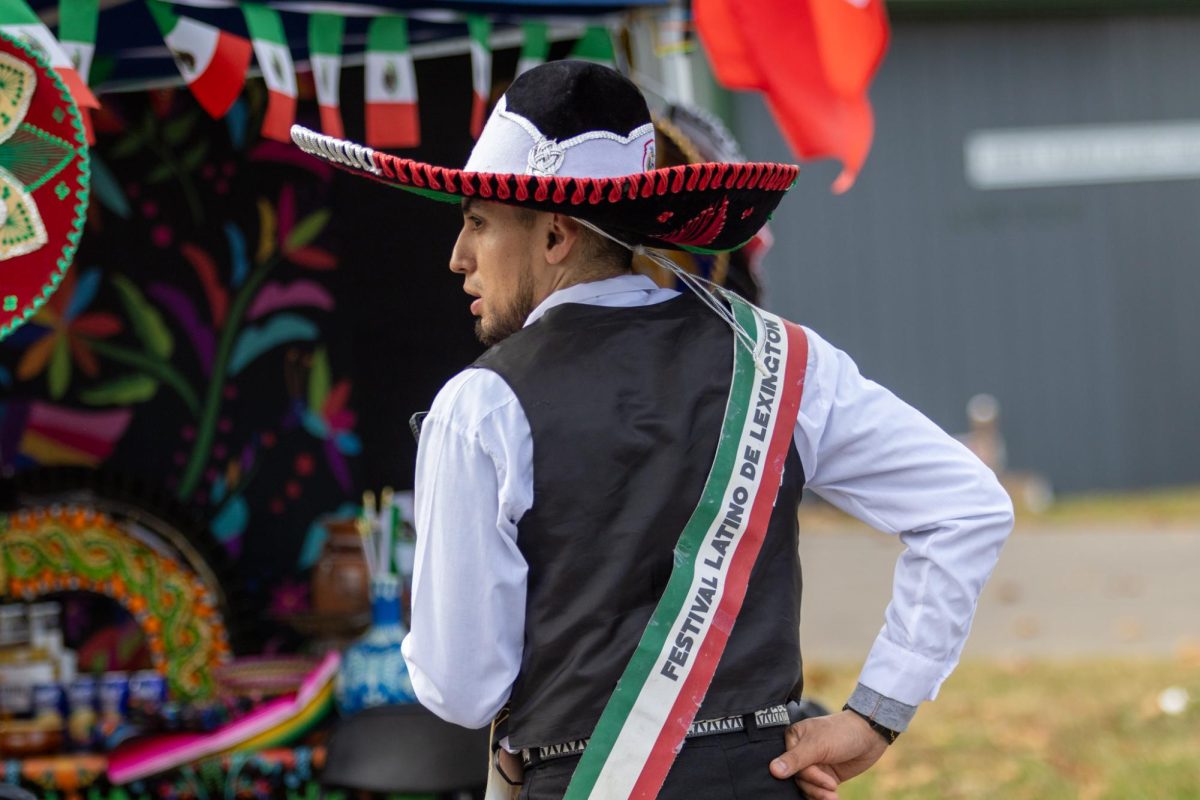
[1082, 154]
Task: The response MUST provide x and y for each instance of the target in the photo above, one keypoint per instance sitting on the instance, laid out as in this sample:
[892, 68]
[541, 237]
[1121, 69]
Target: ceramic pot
[340, 579]
[373, 672]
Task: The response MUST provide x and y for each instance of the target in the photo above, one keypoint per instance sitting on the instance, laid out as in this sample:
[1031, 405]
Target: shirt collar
[593, 293]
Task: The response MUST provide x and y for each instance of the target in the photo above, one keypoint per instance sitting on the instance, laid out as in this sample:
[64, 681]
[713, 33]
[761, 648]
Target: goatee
[507, 321]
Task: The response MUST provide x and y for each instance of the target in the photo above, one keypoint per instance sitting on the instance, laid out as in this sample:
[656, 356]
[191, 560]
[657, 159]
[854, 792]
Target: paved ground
[1057, 594]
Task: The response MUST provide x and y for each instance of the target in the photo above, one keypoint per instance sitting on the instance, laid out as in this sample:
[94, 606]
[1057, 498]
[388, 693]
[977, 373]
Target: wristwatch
[888, 734]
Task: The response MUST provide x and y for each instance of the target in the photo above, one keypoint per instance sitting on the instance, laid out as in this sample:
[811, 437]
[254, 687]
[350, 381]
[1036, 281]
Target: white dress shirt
[863, 450]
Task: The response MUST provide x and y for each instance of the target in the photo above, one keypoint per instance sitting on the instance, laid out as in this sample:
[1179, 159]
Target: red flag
[813, 59]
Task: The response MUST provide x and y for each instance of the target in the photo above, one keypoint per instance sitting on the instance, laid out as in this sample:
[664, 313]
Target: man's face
[495, 254]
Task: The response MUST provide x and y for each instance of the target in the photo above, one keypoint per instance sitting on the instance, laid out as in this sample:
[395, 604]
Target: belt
[773, 717]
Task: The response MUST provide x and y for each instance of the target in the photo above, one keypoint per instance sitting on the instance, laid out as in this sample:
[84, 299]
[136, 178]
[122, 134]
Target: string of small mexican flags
[214, 62]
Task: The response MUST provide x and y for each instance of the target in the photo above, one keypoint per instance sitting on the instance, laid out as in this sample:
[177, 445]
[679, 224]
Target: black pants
[727, 766]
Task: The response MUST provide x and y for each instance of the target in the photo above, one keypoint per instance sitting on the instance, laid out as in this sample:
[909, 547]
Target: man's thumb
[803, 751]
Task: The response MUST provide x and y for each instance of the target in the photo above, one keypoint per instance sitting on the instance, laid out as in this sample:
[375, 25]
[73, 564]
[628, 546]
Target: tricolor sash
[644, 724]
[645, 721]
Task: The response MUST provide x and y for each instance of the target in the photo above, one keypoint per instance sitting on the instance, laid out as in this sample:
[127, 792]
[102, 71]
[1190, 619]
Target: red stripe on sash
[695, 686]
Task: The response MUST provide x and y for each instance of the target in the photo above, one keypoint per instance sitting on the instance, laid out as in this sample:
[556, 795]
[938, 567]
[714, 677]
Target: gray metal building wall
[1076, 306]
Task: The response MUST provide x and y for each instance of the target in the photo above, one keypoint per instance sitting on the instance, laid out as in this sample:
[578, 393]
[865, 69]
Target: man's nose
[459, 261]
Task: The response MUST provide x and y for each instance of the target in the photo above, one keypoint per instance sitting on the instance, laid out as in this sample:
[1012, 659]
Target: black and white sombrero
[576, 137]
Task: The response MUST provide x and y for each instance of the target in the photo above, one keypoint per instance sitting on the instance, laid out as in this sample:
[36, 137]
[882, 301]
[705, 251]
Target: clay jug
[340, 582]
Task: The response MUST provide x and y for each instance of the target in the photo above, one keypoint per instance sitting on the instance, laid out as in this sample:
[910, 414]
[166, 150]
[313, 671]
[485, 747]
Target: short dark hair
[600, 250]
[604, 251]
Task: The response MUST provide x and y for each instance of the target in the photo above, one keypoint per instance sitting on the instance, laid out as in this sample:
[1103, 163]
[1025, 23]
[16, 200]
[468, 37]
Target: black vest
[625, 406]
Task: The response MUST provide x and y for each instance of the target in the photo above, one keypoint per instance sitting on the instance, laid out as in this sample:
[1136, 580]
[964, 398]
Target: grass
[1088, 730]
[1151, 507]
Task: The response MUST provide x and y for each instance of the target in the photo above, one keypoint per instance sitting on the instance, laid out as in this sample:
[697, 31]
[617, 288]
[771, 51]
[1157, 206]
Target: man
[612, 486]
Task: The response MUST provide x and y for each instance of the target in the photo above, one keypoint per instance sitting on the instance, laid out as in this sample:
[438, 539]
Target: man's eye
[476, 222]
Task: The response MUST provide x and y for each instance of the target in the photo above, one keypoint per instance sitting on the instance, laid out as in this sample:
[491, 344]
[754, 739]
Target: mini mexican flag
[275, 61]
[595, 45]
[77, 34]
[211, 61]
[391, 90]
[535, 48]
[480, 28]
[325, 56]
[18, 21]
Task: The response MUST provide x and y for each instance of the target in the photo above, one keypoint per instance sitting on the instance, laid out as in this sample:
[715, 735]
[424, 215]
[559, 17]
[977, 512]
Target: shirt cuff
[901, 674]
[891, 714]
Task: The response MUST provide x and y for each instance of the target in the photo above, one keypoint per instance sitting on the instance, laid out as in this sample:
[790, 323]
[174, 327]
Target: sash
[644, 724]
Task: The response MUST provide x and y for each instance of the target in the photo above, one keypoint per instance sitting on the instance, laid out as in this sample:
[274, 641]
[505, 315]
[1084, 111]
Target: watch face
[43, 184]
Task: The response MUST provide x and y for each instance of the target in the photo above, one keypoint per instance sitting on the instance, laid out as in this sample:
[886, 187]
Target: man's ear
[562, 238]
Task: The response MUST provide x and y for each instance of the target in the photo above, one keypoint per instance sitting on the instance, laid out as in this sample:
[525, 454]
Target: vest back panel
[625, 406]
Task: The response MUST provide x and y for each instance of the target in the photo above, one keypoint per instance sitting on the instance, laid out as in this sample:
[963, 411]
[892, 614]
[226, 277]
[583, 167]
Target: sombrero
[576, 137]
[43, 182]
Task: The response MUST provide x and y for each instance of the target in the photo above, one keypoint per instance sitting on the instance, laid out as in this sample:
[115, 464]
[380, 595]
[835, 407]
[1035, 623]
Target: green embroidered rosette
[43, 181]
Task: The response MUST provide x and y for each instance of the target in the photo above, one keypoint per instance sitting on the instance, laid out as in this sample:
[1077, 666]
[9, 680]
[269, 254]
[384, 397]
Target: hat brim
[45, 180]
[704, 208]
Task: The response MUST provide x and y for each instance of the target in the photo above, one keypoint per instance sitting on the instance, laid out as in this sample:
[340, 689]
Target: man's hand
[824, 751]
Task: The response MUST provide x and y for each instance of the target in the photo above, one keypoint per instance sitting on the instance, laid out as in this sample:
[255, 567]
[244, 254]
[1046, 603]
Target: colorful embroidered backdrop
[243, 326]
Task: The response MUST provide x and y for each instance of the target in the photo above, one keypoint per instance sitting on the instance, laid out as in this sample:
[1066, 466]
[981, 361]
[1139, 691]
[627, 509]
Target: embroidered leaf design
[178, 305]
[266, 232]
[108, 189]
[307, 230]
[122, 391]
[195, 157]
[206, 270]
[276, 295]
[256, 340]
[160, 173]
[177, 130]
[237, 254]
[147, 322]
[313, 258]
[318, 380]
[231, 520]
[60, 368]
[128, 145]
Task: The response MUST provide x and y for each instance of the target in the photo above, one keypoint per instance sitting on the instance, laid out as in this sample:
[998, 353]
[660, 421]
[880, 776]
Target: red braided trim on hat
[383, 162]
[680, 174]
[730, 178]
[660, 188]
[485, 184]
[450, 186]
[416, 178]
[750, 174]
[432, 175]
[618, 189]
[648, 185]
[543, 190]
[579, 196]
[693, 174]
[597, 188]
[635, 184]
[771, 178]
[743, 176]
[522, 187]
[468, 183]
[400, 169]
[503, 192]
[560, 189]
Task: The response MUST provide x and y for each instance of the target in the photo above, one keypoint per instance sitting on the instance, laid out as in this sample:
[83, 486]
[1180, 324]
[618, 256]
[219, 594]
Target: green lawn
[1090, 730]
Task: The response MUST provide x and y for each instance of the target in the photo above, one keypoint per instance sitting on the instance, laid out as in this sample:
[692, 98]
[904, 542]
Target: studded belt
[773, 717]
